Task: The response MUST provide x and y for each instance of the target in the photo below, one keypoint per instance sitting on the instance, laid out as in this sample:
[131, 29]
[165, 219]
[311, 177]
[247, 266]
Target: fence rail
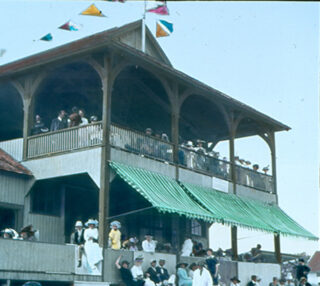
[65, 140]
[254, 179]
[138, 142]
[204, 162]
[142, 144]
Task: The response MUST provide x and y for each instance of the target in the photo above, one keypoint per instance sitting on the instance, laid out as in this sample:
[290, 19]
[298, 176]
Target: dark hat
[192, 265]
[153, 261]
[182, 263]
[255, 166]
[235, 278]
[125, 262]
[162, 260]
[28, 229]
[301, 260]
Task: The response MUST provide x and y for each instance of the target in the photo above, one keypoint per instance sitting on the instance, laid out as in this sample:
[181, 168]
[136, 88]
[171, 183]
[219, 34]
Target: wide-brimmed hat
[91, 221]
[78, 223]
[235, 278]
[28, 229]
[115, 223]
[139, 258]
[182, 263]
[189, 144]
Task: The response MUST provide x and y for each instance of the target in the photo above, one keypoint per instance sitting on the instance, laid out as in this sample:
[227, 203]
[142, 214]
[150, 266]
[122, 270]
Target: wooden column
[175, 127]
[277, 249]
[26, 126]
[273, 163]
[234, 231]
[105, 155]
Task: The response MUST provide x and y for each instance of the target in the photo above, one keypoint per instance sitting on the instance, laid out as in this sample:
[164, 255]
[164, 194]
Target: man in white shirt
[149, 245]
[202, 276]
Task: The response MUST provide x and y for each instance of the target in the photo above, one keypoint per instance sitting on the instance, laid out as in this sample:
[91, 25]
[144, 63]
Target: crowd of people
[192, 154]
[62, 121]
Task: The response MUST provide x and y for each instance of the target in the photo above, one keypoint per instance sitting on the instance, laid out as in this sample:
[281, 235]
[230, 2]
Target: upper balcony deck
[89, 136]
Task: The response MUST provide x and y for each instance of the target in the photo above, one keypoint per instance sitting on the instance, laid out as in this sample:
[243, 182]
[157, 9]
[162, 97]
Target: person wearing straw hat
[115, 235]
[202, 276]
[91, 246]
[77, 238]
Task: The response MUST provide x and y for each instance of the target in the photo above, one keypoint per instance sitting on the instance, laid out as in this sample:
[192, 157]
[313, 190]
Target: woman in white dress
[187, 247]
[92, 249]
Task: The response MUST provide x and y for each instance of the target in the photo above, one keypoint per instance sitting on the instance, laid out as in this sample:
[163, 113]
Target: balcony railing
[65, 140]
[254, 179]
[204, 163]
[139, 143]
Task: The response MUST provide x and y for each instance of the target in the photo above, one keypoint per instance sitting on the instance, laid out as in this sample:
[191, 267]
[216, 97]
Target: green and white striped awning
[245, 212]
[164, 193]
[193, 201]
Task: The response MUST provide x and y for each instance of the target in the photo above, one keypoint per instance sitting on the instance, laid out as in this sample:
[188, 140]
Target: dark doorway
[7, 218]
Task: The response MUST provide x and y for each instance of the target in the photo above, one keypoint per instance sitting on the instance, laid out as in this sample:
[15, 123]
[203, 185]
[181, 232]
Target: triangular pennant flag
[92, 10]
[47, 37]
[161, 10]
[2, 52]
[164, 28]
[70, 26]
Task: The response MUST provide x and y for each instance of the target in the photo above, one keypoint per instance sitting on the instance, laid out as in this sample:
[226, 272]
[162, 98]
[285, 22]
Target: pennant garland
[92, 10]
[70, 26]
[121, 1]
[164, 28]
[160, 10]
[47, 37]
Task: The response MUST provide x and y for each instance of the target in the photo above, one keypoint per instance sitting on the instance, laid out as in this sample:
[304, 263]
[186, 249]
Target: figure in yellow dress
[115, 235]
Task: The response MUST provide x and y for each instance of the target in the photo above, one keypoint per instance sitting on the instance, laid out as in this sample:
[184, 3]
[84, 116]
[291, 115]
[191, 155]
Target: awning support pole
[277, 247]
[234, 242]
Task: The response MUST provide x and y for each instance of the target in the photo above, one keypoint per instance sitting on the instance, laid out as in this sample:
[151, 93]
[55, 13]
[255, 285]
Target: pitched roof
[111, 38]
[7, 163]
[90, 43]
[314, 262]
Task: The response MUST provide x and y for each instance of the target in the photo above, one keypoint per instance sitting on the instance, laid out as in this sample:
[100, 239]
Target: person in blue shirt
[182, 274]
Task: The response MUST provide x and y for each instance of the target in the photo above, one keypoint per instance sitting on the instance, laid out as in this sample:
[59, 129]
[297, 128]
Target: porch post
[175, 128]
[273, 163]
[26, 126]
[277, 249]
[232, 130]
[105, 154]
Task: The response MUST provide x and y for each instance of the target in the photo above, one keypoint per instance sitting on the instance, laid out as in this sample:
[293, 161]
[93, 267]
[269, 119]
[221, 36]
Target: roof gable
[132, 36]
[8, 164]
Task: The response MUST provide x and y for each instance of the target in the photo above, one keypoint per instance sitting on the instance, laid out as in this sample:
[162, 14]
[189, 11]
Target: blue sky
[264, 54]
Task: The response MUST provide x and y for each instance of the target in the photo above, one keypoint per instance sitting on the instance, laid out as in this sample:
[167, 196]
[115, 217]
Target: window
[46, 201]
[196, 227]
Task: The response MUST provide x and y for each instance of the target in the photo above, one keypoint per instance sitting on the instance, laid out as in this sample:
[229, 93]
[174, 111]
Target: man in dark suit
[60, 122]
[78, 239]
[253, 281]
[152, 271]
[161, 271]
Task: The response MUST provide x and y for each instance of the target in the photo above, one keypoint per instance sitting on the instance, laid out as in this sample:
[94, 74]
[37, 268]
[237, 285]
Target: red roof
[7, 163]
[314, 262]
